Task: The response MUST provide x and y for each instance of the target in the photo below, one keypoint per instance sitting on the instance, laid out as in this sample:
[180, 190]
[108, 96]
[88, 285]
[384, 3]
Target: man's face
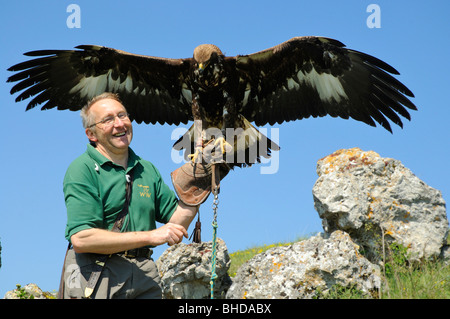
[114, 137]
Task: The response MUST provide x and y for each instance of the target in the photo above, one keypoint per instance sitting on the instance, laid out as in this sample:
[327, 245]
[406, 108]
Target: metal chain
[215, 205]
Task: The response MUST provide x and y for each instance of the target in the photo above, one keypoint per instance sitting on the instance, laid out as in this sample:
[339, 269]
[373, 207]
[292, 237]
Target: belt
[137, 253]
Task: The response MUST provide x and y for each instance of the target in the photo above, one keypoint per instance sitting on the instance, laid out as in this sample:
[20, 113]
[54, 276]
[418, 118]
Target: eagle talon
[223, 144]
[195, 156]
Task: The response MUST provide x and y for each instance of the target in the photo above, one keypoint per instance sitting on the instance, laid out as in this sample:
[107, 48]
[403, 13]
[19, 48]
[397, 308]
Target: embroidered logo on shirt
[144, 191]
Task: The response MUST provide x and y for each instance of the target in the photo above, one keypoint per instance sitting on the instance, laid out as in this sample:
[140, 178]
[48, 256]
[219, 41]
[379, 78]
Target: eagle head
[208, 70]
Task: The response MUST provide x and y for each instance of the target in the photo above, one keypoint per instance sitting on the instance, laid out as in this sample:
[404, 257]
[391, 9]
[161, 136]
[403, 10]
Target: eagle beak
[202, 66]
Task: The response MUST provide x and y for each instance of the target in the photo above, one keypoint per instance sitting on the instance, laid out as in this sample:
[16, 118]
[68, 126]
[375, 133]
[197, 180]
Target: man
[95, 194]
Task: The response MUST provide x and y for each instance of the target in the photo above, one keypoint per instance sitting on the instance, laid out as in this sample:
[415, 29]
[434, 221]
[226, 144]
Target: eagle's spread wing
[153, 89]
[312, 76]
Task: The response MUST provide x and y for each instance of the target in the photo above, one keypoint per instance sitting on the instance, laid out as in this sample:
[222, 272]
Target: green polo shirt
[94, 192]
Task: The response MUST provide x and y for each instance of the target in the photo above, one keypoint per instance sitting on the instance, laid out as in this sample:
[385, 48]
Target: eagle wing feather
[316, 76]
[150, 87]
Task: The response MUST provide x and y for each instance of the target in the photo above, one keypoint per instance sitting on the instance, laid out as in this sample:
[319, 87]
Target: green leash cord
[214, 243]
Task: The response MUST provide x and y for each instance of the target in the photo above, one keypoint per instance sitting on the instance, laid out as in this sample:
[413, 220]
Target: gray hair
[86, 116]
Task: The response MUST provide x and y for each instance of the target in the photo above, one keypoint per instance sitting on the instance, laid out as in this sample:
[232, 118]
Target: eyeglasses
[110, 120]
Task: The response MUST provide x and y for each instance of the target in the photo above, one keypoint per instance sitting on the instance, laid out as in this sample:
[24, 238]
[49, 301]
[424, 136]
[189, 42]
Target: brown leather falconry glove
[193, 181]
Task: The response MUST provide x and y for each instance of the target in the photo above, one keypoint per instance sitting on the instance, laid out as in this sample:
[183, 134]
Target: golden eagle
[299, 78]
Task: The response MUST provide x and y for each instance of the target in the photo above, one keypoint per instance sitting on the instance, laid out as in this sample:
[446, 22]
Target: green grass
[429, 279]
[239, 257]
[400, 279]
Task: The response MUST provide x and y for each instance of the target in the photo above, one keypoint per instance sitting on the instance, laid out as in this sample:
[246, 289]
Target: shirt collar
[133, 159]
[100, 159]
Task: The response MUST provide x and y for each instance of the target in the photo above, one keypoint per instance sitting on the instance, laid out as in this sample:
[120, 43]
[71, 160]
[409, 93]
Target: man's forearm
[183, 215]
[102, 241]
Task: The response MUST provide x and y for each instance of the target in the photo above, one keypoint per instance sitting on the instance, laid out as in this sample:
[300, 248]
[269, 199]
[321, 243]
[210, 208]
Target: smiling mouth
[119, 134]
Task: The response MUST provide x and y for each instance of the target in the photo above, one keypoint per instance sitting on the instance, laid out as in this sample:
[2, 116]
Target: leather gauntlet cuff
[192, 182]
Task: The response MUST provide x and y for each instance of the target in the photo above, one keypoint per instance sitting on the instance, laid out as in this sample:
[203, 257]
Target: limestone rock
[379, 200]
[185, 271]
[30, 291]
[304, 269]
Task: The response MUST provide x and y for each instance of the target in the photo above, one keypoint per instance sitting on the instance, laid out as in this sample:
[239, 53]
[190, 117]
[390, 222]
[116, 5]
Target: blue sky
[254, 208]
